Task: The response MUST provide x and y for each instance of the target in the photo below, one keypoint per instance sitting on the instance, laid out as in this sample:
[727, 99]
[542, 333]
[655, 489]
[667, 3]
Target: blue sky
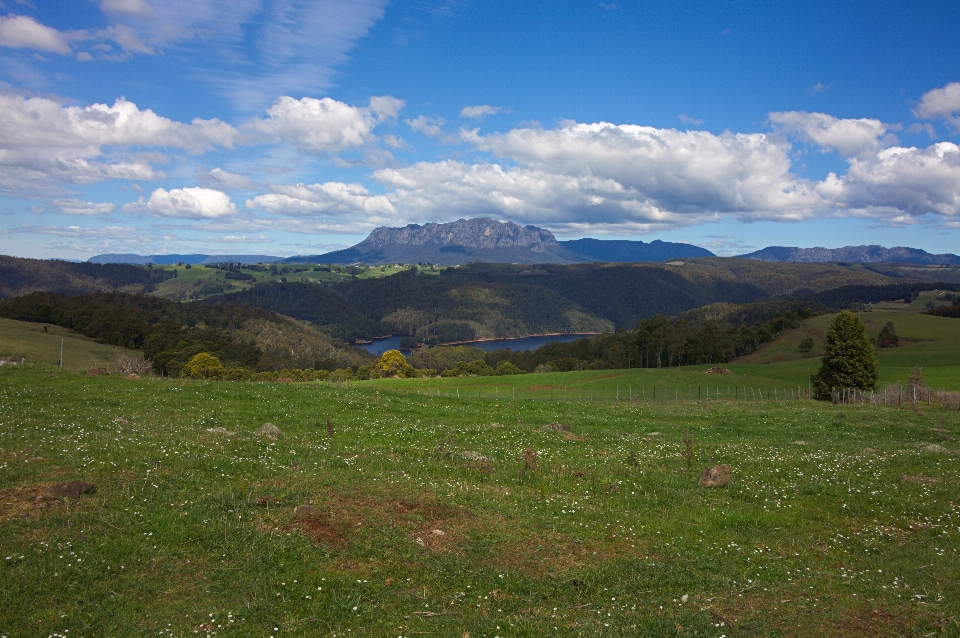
[293, 127]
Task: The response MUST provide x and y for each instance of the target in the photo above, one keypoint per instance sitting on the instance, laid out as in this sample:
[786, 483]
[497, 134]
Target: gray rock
[934, 449]
[220, 430]
[305, 511]
[556, 427]
[470, 455]
[269, 431]
[716, 476]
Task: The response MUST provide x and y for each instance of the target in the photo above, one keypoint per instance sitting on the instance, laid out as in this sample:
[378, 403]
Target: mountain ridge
[487, 240]
[856, 254]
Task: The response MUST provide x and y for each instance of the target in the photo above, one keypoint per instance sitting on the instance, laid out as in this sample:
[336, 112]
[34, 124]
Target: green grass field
[930, 342]
[40, 343]
[459, 517]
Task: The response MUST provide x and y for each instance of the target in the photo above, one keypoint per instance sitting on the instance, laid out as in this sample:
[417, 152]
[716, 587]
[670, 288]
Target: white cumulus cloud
[187, 203]
[329, 198]
[42, 141]
[24, 32]
[325, 126]
[943, 103]
[849, 137]
[668, 171]
[901, 183]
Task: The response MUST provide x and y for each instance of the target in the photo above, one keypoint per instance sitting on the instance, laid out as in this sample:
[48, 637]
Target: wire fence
[890, 395]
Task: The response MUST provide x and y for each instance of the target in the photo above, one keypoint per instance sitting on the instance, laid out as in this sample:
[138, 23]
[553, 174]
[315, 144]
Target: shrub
[392, 363]
[505, 368]
[203, 366]
[133, 365]
[849, 359]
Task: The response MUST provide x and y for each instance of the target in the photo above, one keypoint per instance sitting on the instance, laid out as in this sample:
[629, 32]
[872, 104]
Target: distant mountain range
[487, 240]
[853, 254]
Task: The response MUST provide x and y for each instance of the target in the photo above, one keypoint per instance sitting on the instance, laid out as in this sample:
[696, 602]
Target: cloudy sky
[296, 127]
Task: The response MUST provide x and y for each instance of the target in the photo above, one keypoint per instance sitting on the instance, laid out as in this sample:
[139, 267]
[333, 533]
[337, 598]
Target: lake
[379, 346]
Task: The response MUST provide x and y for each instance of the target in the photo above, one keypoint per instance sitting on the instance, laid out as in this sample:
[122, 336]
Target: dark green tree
[849, 360]
[806, 345]
[888, 336]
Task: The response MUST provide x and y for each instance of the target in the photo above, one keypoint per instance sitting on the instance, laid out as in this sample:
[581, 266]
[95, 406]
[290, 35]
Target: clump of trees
[849, 359]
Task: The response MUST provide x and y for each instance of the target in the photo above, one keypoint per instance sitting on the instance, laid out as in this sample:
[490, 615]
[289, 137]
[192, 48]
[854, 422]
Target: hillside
[20, 276]
[170, 333]
[480, 300]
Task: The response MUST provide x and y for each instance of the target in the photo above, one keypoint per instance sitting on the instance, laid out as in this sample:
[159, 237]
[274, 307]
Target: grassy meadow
[437, 515]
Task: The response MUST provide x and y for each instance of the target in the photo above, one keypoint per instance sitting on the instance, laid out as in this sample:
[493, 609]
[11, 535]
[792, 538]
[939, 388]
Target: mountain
[853, 254]
[459, 242]
[622, 250]
[166, 260]
[487, 240]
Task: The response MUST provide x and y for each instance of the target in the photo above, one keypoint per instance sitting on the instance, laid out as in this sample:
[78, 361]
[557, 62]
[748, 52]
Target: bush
[203, 366]
[505, 368]
[133, 365]
[849, 360]
[392, 363]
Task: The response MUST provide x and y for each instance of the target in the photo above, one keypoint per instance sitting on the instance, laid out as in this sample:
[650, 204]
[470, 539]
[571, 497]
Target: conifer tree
[848, 358]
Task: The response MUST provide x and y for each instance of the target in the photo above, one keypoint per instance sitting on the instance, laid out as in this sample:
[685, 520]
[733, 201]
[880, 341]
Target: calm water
[379, 346]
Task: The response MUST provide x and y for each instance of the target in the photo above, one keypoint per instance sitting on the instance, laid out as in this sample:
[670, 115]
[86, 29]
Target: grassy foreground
[438, 516]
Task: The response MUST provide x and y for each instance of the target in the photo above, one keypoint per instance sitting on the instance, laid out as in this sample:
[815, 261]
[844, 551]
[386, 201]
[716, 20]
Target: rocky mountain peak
[481, 233]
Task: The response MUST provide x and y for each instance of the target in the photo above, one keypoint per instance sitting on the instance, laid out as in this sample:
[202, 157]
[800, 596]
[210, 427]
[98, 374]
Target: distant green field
[40, 343]
[461, 517]
[930, 342]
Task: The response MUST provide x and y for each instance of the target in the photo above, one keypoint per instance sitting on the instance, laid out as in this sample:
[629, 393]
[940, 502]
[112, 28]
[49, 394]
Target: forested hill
[170, 333]
[22, 276]
[503, 300]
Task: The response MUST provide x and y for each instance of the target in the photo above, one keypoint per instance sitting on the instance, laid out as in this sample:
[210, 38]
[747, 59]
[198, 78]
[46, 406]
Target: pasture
[383, 510]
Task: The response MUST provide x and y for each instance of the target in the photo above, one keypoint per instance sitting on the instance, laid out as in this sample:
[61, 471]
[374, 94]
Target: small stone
[305, 511]
[685, 598]
[470, 455]
[133, 376]
[438, 532]
[269, 431]
[72, 489]
[800, 443]
[716, 476]
[220, 430]
[556, 427]
[935, 449]
[717, 370]
[653, 433]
